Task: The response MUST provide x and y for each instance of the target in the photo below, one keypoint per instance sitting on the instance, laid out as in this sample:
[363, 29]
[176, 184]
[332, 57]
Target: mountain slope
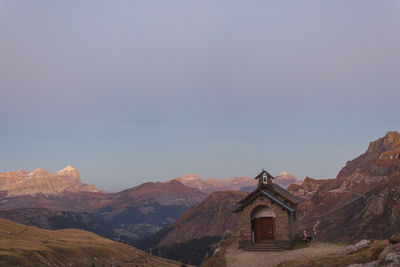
[198, 229]
[212, 217]
[43, 182]
[30, 246]
[145, 209]
[362, 202]
[132, 214]
[59, 219]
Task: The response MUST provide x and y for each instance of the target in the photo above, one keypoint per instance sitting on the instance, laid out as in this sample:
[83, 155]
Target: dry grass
[30, 246]
[363, 256]
[218, 259]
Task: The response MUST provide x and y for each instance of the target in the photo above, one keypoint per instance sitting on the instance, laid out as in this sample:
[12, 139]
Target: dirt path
[238, 258]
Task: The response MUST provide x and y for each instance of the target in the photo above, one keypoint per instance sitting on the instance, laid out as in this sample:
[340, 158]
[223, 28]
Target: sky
[135, 91]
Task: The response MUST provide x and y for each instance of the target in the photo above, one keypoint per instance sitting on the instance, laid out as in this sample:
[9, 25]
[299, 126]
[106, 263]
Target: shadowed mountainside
[200, 227]
[133, 213]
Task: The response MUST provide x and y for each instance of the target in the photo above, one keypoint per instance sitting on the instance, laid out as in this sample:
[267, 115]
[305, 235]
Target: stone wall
[284, 232]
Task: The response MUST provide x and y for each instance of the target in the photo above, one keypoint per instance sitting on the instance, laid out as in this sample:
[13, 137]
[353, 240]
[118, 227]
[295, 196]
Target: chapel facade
[268, 214]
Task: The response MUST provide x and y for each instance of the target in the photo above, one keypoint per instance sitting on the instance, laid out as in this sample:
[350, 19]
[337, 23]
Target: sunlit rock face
[41, 181]
[285, 179]
[362, 202]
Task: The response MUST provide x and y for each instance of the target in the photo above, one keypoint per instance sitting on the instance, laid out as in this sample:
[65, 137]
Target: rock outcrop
[306, 189]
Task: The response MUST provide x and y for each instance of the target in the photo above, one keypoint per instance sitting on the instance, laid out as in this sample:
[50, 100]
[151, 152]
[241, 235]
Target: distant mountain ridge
[132, 214]
[40, 181]
[244, 183]
[212, 184]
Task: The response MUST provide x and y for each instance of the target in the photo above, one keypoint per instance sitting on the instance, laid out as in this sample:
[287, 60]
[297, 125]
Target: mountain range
[245, 183]
[40, 181]
[132, 213]
[185, 217]
[60, 200]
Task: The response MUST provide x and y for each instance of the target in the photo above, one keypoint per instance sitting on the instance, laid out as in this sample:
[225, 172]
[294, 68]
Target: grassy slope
[30, 246]
[218, 259]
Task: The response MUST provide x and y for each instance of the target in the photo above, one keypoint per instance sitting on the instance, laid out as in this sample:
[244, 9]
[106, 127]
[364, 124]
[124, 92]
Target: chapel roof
[264, 189]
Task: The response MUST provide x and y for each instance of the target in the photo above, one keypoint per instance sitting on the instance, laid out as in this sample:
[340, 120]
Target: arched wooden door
[264, 228]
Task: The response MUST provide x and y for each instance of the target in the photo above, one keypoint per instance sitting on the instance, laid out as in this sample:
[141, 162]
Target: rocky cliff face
[306, 189]
[362, 202]
[381, 158]
[40, 181]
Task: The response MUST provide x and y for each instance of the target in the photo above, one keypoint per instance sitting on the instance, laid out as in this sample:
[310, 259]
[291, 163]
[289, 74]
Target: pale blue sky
[135, 91]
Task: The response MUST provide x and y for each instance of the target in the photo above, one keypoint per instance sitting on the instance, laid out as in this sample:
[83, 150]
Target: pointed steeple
[264, 178]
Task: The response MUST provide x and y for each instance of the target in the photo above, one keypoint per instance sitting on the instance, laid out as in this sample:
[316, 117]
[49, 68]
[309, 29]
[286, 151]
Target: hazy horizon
[129, 92]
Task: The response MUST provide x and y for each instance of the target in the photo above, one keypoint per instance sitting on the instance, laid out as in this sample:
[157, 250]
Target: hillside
[59, 219]
[199, 228]
[22, 245]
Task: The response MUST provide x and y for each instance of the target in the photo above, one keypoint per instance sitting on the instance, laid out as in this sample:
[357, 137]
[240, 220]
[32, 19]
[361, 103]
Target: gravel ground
[238, 258]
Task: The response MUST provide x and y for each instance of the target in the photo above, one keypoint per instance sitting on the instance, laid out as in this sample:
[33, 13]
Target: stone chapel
[268, 215]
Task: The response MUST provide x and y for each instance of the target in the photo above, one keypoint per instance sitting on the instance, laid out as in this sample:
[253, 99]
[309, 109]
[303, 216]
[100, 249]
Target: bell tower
[264, 178]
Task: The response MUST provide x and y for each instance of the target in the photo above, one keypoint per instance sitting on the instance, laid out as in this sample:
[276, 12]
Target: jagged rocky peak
[381, 158]
[41, 181]
[69, 171]
[391, 141]
[189, 177]
[39, 172]
[21, 172]
[285, 179]
[287, 176]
